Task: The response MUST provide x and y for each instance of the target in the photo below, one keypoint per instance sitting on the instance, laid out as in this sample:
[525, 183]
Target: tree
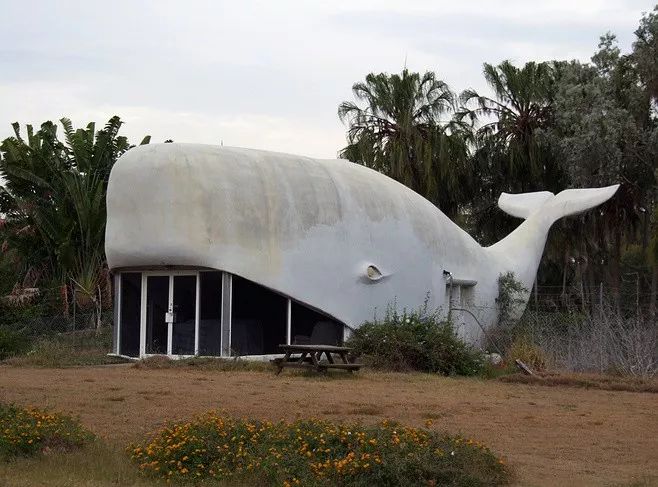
[512, 152]
[395, 127]
[645, 51]
[53, 199]
[601, 133]
[514, 122]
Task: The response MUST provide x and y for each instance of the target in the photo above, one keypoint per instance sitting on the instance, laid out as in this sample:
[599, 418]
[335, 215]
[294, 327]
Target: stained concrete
[310, 228]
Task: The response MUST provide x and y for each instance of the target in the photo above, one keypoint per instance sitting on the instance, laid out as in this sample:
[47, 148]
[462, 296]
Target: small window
[466, 296]
[459, 294]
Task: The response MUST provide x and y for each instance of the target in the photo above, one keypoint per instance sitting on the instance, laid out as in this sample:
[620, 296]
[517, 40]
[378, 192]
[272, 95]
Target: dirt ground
[550, 435]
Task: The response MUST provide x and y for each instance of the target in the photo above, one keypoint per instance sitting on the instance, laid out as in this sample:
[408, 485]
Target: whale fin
[565, 203]
[523, 204]
[521, 251]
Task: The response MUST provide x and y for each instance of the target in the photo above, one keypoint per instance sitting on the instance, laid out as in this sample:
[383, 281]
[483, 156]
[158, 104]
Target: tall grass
[604, 342]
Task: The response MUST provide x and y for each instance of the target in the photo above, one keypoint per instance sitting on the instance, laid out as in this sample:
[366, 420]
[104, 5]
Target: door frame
[170, 326]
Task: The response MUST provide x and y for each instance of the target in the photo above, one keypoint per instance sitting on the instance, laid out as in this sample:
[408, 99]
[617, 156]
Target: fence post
[601, 299]
[74, 301]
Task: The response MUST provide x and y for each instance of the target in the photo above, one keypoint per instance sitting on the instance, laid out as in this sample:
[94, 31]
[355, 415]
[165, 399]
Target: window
[258, 320]
[310, 326]
[466, 296]
[459, 294]
[210, 314]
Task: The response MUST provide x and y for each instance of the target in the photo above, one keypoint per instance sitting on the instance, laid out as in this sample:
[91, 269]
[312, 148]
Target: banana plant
[53, 200]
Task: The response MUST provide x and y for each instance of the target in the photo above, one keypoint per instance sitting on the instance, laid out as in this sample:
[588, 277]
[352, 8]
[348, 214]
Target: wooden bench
[310, 357]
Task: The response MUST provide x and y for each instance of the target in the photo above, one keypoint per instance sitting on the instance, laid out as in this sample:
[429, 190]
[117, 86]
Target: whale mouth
[205, 312]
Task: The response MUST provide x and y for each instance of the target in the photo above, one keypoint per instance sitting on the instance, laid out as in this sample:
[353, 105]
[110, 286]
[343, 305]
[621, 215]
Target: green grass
[72, 349]
[96, 465]
[204, 363]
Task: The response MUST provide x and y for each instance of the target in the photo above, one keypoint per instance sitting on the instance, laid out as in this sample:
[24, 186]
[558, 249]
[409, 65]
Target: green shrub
[12, 342]
[315, 453]
[415, 341]
[26, 431]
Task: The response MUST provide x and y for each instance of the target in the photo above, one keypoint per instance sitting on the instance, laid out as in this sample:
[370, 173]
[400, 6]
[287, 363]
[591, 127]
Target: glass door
[171, 314]
[157, 307]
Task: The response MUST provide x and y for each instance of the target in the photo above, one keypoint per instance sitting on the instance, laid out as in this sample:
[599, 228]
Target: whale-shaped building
[223, 251]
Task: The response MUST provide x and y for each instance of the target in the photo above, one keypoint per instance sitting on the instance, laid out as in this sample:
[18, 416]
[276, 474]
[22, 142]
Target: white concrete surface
[334, 235]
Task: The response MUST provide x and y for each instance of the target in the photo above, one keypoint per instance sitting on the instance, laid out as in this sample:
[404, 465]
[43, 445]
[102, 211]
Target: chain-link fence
[57, 340]
[46, 325]
[604, 341]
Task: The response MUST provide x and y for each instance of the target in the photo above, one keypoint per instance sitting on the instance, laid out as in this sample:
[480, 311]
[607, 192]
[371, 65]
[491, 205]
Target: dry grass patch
[115, 398]
[587, 381]
[551, 435]
[365, 410]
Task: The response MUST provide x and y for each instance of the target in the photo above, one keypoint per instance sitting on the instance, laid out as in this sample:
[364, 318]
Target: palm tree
[395, 127]
[512, 152]
[511, 135]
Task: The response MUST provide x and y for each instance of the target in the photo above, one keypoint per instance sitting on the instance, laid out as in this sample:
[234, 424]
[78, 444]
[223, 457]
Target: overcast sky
[269, 74]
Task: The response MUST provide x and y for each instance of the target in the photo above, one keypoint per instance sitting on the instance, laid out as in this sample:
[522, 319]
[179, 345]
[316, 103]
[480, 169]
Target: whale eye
[373, 273]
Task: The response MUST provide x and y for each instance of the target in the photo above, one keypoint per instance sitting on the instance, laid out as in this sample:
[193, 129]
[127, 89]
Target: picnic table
[310, 357]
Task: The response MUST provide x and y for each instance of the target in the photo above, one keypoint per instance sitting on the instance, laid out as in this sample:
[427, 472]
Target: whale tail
[553, 207]
[521, 251]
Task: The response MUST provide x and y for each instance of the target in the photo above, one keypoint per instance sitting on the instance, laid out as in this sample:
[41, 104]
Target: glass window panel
[131, 303]
[259, 319]
[210, 313]
[308, 326]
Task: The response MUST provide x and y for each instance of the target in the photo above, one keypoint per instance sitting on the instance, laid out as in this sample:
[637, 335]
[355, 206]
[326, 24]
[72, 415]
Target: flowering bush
[315, 452]
[415, 341]
[28, 431]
